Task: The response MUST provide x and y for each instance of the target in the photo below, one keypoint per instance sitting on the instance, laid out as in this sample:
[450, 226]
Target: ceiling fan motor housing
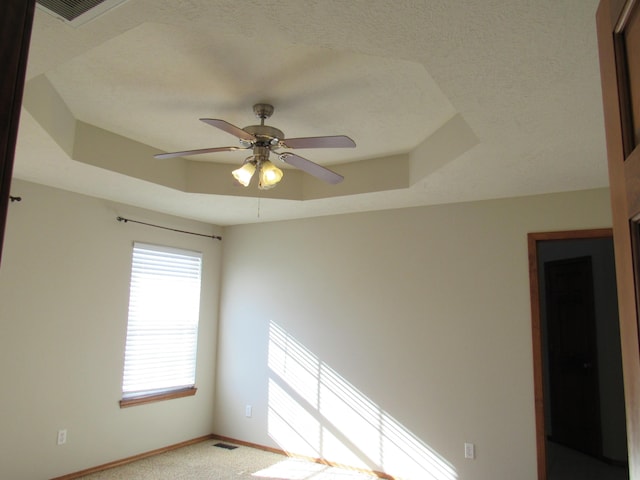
[265, 135]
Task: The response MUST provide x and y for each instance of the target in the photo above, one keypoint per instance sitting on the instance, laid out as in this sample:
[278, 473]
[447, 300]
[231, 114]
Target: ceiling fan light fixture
[265, 140]
[269, 175]
[244, 174]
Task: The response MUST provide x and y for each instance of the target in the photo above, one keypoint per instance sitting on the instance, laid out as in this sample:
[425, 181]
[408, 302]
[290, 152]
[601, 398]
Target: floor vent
[77, 12]
[226, 446]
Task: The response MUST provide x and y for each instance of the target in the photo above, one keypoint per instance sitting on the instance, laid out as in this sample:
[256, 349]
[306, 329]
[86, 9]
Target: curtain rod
[125, 220]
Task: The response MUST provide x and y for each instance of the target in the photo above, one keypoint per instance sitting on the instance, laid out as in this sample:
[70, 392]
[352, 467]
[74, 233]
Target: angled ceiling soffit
[447, 143]
[92, 145]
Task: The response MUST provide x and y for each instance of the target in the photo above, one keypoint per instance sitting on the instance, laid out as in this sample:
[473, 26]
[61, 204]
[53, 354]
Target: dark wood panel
[632, 57]
[16, 17]
[632, 181]
[573, 354]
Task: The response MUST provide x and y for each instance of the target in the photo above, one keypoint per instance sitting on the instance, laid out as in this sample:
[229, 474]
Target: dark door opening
[579, 396]
[572, 355]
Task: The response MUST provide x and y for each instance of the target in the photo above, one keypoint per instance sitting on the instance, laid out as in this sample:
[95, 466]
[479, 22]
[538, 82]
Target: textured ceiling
[447, 101]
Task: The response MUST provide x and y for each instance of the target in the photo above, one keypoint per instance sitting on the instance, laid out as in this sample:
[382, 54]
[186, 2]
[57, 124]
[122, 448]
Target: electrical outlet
[62, 437]
[469, 450]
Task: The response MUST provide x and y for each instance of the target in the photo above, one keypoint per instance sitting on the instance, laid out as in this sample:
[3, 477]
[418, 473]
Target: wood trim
[536, 339]
[536, 330]
[143, 400]
[570, 234]
[212, 436]
[632, 174]
[625, 10]
[321, 461]
[607, 17]
[140, 456]
[264, 448]
[622, 78]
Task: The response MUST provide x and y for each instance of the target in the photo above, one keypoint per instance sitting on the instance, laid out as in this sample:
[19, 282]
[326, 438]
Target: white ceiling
[447, 101]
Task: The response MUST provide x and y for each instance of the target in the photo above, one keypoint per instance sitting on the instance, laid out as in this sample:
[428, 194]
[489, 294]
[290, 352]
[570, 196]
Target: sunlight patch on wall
[294, 427]
[315, 412]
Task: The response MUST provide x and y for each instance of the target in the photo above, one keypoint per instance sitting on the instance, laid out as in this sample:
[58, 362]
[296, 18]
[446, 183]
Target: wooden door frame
[536, 328]
[611, 20]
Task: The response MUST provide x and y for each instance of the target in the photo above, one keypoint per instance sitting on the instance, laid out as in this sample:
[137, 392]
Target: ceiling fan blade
[162, 156]
[311, 168]
[336, 141]
[229, 128]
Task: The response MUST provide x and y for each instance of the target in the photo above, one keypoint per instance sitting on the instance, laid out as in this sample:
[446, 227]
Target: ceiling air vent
[77, 12]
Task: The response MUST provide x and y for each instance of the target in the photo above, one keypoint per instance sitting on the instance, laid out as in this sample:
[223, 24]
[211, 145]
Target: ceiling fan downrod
[264, 134]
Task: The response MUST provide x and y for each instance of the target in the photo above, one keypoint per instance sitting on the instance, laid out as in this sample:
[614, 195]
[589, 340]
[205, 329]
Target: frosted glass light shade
[244, 174]
[269, 175]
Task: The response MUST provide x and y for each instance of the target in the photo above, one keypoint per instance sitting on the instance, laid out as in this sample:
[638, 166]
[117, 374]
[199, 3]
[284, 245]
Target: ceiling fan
[263, 140]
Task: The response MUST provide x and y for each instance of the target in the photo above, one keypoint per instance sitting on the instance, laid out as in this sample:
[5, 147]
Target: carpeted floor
[204, 461]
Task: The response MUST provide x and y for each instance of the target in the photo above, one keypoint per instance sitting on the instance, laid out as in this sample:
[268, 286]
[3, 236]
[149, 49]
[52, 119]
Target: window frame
[172, 392]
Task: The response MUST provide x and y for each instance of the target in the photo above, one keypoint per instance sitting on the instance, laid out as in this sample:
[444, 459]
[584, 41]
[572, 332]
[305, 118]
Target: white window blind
[162, 331]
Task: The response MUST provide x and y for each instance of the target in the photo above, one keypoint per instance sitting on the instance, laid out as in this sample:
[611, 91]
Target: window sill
[158, 397]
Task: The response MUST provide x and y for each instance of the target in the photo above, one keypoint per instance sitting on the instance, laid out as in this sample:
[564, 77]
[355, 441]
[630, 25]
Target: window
[162, 331]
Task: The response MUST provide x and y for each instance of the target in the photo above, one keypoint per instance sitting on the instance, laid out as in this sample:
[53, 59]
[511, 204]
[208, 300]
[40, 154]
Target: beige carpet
[205, 461]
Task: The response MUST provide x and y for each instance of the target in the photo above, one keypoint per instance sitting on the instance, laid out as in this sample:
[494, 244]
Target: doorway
[579, 398]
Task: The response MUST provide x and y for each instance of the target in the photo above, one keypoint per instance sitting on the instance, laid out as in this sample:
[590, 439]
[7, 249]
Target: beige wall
[64, 287]
[385, 339]
[389, 339]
